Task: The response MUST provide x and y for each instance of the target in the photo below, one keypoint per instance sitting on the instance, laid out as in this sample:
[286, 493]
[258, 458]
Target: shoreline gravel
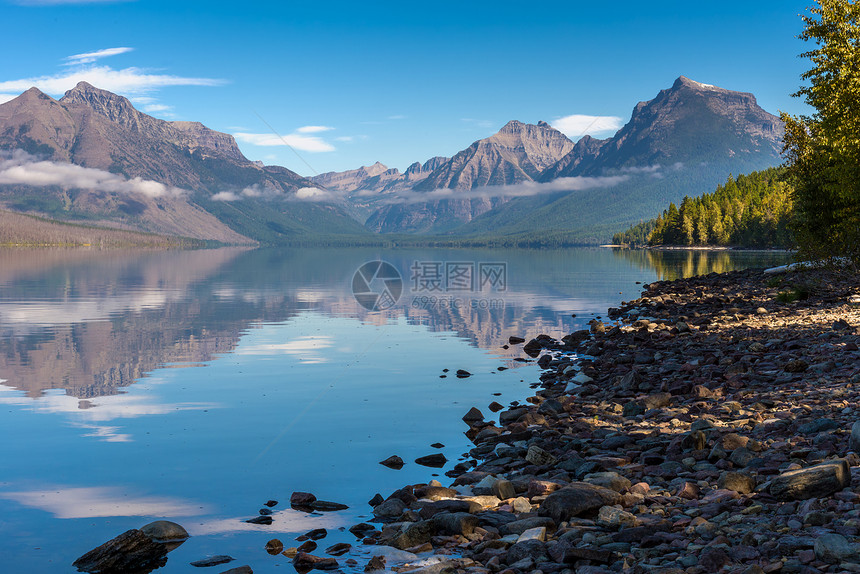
[707, 428]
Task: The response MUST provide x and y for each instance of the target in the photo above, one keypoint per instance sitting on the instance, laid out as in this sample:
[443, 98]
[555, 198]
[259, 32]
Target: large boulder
[415, 534]
[390, 509]
[814, 482]
[130, 551]
[576, 499]
[835, 549]
[164, 531]
[454, 523]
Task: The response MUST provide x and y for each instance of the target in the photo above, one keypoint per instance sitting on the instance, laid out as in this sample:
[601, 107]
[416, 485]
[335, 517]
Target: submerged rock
[436, 460]
[393, 461]
[212, 561]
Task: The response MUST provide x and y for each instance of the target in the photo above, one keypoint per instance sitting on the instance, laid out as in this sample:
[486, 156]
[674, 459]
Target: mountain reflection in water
[93, 322]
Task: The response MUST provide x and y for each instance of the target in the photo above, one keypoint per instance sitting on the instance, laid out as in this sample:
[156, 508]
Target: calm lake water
[196, 385]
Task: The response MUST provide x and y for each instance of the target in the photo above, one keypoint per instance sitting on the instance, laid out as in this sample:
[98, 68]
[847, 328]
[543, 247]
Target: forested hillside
[751, 211]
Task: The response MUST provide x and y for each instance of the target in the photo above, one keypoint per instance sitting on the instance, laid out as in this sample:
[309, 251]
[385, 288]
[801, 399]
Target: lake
[194, 386]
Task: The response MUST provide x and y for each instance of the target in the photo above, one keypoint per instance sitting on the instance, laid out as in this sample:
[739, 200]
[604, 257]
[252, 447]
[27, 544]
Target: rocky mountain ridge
[690, 126]
[192, 172]
[524, 181]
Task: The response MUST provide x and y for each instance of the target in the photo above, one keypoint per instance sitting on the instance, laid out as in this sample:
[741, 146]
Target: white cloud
[106, 408]
[226, 196]
[578, 125]
[525, 189]
[313, 129]
[295, 140]
[345, 139]
[101, 502]
[7, 98]
[156, 108]
[251, 191]
[307, 348]
[285, 521]
[90, 57]
[126, 81]
[23, 169]
[314, 194]
[649, 169]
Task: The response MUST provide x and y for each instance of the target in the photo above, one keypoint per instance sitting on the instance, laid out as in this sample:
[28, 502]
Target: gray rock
[657, 401]
[633, 409]
[532, 549]
[393, 461]
[436, 460]
[834, 549]
[328, 506]
[814, 482]
[520, 526]
[391, 508]
[521, 504]
[240, 570]
[452, 523]
[854, 441]
[610, 480]
[742, 483]
[504, 489]
[742, 456]
[539, 457]
[611, 517]
[212, 561]
[695, 440]
[576, 499]
[430, 509]
[265, 520]
[130, 551]
[164, 531]
[415, 534]
[473, 416]
[512, 415]
[304, 562]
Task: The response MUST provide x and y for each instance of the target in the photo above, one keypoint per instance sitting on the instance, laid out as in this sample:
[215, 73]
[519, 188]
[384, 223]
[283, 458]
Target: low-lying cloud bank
[524, 189]
[21, 168]
[257, 191]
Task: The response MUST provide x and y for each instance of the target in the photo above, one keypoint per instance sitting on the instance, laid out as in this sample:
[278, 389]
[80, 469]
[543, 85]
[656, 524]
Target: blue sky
[351, 83]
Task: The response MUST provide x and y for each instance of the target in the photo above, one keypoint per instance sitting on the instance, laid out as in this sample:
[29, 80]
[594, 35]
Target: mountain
[355, 179]
[689, 122]
[143, 173]
[91, 157]
[683, 142]
[517, 153]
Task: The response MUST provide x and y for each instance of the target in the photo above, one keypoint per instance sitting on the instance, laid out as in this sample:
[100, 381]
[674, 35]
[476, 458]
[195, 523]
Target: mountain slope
[685, 141]
[149, 174]
[690, 122]
[517, 153]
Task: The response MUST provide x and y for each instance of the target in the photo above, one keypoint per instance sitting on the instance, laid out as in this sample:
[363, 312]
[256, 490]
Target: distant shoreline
[700, 248]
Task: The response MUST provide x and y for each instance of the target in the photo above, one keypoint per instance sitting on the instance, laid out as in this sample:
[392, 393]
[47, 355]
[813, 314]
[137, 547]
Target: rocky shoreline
[712, 425]
[707, 428]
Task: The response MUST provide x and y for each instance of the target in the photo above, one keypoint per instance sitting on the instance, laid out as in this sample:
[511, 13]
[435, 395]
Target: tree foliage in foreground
[823, 151]
[751, 211]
